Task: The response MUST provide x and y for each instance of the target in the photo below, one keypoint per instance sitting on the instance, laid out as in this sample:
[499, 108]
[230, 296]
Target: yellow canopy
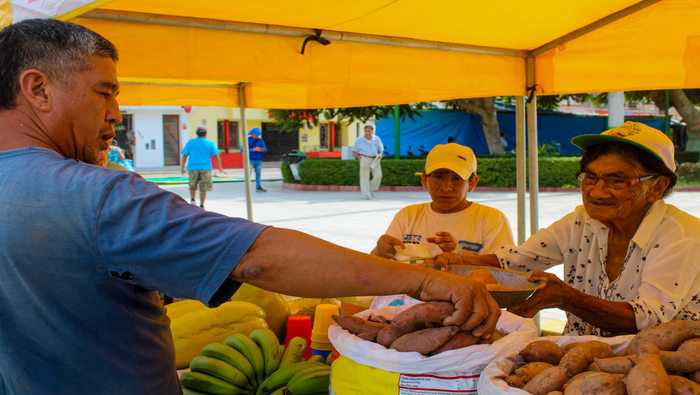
[177, 52]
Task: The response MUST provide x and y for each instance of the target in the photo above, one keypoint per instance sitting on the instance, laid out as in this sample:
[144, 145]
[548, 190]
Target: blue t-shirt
[83, 250]
[199, 151]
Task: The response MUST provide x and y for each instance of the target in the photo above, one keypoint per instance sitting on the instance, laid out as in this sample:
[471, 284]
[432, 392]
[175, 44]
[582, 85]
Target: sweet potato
[482, 275]
[596, 383]
[674, 362]
[683, 386]
[690, 345]
[459, 340]
[424, 341]
[576, 360]
[549, 380]
[593, 367]
[389, 334]
[598, 349]
[367, 336]
[514, 381]
[555, 393]
[667, 336]
[617, 364]
[580, 376]
[621, 353]
[490, 340]
[648, 376]
[695, 377]
[542, 351]
[356, 325]
[424, 312]
[529, 371]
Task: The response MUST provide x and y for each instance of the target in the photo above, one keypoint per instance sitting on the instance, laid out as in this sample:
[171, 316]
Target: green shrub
[495, 172]
[687, 156]
[689, 172]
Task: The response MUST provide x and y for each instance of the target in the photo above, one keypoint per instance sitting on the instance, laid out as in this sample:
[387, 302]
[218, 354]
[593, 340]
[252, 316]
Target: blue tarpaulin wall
[434, 127]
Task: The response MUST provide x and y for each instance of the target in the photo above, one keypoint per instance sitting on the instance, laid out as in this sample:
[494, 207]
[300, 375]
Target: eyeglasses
[610, 182]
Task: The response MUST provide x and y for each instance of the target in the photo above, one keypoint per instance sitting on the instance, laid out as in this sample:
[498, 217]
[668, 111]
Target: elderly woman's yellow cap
[452, 156]
[640, 135]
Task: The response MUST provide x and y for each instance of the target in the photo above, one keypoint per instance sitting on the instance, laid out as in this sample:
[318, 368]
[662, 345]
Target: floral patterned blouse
[660, 276]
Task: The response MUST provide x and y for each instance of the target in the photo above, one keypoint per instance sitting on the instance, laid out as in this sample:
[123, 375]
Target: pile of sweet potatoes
[663, 359]
[418, 328]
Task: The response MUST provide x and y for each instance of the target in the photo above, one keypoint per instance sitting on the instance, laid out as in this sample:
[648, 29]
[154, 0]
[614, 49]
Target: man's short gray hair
[53, 47]
[369, 126]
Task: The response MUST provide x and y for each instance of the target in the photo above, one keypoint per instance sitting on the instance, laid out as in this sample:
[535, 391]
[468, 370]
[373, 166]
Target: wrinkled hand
[444, 240]
[385, 245]
[554, 294]
[442, 261]
[475, 309]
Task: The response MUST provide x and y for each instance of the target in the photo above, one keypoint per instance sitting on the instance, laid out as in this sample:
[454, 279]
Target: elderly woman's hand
[554, 294]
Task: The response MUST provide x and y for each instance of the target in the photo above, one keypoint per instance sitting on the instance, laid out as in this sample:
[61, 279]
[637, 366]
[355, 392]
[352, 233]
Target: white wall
[148, 125]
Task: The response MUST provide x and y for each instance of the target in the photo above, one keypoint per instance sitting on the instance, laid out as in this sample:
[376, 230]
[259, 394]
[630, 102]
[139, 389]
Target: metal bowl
[519, 288]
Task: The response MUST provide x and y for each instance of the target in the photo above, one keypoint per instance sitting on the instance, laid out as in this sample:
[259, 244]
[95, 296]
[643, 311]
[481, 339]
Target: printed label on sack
[426, 384]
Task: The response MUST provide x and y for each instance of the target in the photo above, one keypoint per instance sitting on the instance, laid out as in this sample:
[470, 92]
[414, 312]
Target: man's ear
[658, 188]
[37, 89]
[473, 182]
[424, 181]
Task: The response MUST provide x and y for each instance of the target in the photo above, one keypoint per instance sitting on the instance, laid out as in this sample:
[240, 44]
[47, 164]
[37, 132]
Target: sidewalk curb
[352, 188]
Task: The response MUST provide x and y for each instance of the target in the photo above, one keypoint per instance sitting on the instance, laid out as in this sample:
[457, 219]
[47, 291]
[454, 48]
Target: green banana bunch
[244, 345]
[310, 381]
[209, 384]
[316, 358]
[188, 391]
[229, 355]
[293, 353]
[281, 377]
[280, 391]
[270, 347]
[220, 369]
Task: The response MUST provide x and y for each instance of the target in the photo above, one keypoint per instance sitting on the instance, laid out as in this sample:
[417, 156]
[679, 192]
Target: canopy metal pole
[246, 154]
[532, 146]
[520, 164]
[397, 132]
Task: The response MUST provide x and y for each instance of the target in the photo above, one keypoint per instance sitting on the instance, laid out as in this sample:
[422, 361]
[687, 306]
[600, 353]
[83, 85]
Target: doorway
[171, 140]
[278, 141]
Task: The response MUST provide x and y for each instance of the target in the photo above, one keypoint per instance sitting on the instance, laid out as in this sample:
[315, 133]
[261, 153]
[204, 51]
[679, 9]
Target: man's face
[614, 205]
[254, 136]
[448, 190]
[85, 110]
[368, 133]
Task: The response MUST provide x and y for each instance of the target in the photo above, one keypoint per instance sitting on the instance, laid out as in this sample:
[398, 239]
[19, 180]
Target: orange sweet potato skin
[356, 325]
[424, 312]
[666, 336]
[648, 376]
[389, 334]
[459, 340]
[683, 386]
[549, 380]
[542, 351]
[424, 341]
[531, 370]
[596, 383]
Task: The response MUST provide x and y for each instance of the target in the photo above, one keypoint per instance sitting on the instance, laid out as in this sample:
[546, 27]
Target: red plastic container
[300, 326]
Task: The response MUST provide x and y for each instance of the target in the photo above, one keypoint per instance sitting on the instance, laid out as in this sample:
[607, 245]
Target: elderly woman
[630, 260]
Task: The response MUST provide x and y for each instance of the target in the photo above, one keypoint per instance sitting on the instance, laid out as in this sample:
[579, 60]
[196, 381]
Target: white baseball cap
[637, 134]
[452, 156]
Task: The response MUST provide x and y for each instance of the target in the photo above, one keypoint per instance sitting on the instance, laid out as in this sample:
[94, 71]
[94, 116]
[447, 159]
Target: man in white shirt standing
[368, 150]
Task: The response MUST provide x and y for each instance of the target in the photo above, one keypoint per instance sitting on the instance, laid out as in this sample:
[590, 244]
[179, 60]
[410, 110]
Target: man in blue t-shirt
[199, 165]
[256, 147]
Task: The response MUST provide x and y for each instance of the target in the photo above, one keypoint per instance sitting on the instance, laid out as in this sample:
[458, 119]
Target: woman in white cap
[630, 260]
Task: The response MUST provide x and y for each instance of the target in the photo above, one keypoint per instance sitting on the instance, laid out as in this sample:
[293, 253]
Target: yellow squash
[194, 330]
[183, 307]
[274, 304]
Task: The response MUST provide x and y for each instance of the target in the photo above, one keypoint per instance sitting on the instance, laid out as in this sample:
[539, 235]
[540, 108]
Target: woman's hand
[385, 246]
[444, 240]
[442, 261]
[554, 294]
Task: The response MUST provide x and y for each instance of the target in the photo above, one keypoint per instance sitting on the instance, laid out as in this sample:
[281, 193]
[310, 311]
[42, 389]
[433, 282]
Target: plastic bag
[369, 368]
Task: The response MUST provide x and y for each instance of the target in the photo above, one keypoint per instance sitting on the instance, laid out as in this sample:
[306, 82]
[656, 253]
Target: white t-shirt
[478, 229]
[660, 278]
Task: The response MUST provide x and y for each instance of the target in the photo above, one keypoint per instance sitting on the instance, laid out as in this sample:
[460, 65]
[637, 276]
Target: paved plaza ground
[347, 219]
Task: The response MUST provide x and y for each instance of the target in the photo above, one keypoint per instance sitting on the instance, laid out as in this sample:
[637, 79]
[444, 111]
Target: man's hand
[475, 308]
[444, 240]
[385, 246]
[184, 172]
[442, 261]
[554, 294]
[223, 171]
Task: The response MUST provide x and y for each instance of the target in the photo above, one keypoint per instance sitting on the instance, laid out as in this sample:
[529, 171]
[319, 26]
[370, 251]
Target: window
[323, 135]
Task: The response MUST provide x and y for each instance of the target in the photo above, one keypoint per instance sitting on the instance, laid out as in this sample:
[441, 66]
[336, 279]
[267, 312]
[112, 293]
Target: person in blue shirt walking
[199, 164]
[368, 150]
[256, 147]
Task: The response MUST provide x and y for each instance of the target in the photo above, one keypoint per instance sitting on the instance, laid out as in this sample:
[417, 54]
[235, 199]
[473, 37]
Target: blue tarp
[436, 126]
